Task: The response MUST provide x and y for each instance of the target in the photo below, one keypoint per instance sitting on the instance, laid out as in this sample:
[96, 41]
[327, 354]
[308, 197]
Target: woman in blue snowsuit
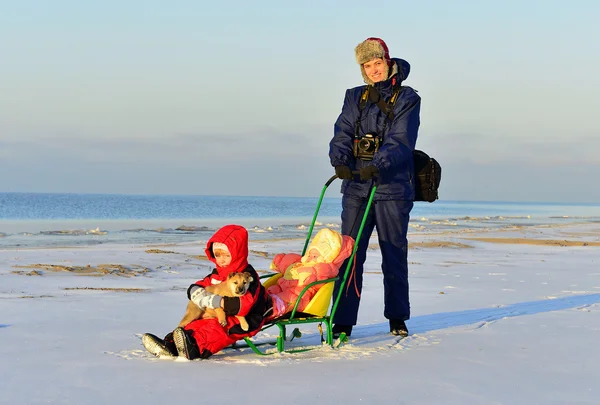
[385, 158]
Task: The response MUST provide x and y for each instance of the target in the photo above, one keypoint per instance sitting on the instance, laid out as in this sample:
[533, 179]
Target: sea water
[29, 220]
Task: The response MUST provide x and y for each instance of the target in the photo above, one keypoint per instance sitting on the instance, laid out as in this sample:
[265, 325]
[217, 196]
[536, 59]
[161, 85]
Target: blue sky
[239, 98]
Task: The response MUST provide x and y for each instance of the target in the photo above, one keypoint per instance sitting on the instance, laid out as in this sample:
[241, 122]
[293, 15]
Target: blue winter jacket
[394, 159]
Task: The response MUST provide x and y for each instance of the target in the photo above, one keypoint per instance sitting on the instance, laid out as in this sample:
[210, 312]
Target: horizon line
[298, 197]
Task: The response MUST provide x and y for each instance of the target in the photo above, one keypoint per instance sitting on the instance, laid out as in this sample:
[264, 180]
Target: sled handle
[314, 219]
[312, 224]
[354, 249]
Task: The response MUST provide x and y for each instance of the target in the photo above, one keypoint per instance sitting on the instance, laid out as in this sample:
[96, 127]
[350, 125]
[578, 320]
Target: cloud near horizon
[273, 163]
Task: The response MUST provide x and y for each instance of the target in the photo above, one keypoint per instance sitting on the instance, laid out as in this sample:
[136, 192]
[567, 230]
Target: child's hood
[235, 237]
[328, 243]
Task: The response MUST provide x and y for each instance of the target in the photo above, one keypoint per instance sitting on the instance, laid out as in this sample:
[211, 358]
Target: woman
[376, 134]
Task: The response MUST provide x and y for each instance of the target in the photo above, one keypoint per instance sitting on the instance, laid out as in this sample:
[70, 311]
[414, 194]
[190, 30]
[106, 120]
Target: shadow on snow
[373, 333]
[443, 320]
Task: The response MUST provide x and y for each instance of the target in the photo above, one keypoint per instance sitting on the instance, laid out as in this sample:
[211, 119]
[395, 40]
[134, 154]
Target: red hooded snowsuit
[209, 335]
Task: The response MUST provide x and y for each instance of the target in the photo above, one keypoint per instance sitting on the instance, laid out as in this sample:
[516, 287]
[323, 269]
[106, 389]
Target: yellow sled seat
[272, 280]
[319, 304]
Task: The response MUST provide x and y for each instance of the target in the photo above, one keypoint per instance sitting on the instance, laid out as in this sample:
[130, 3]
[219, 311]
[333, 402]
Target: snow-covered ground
[492, 323]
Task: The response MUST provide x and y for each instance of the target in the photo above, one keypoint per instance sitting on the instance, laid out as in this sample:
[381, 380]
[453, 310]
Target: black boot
[398, 327]
[338, 329]
[170, 343]
[186, 346]
[157, 346]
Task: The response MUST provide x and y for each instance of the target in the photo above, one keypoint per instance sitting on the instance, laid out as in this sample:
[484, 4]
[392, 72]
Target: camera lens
[365, 145]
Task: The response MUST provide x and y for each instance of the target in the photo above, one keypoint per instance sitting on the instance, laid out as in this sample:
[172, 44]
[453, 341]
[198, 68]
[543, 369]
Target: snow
[492, 323]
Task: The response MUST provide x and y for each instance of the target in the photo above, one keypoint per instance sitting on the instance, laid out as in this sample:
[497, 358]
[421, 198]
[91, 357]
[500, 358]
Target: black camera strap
[387, 108]
[364, 98]
[371, 94]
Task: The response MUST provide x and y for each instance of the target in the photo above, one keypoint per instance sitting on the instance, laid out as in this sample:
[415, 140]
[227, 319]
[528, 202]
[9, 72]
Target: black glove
[368, 172]
[343, 172]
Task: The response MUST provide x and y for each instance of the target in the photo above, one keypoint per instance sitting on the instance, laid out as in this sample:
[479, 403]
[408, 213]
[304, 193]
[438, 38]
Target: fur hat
[220, 246]
[369, 49]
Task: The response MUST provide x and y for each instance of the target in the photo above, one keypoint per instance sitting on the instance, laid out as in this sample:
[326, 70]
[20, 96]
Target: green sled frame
[295, 317]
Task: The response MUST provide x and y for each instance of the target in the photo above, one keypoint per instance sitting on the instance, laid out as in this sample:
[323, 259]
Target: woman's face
[376, 69]
[222, 257]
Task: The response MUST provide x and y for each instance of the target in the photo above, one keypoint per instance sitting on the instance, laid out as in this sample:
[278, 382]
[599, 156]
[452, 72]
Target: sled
[319, 309]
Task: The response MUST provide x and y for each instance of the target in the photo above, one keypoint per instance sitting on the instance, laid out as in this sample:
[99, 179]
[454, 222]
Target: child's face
[223, 258]
[313, 255]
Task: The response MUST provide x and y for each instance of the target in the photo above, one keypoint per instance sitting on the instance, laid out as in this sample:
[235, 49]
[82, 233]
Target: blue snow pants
[390, 218]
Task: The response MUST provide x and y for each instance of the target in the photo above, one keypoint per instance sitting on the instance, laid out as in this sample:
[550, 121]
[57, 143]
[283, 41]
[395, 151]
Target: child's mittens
[204, 299]
[282, 261]
[273, 265]
[325, 270]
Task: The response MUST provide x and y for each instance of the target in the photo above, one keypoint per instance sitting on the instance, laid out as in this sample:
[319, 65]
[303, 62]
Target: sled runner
[316, 311]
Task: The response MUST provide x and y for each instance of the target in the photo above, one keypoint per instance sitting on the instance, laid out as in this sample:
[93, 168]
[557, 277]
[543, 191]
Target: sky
[490, 324]
[239, 98]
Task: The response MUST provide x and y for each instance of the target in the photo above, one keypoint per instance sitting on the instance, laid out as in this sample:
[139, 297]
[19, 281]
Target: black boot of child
[157, 346]
[170, 343]
[185, 344]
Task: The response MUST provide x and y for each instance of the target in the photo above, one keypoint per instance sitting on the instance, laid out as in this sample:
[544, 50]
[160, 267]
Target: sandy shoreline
[538, 242]
[147, 260]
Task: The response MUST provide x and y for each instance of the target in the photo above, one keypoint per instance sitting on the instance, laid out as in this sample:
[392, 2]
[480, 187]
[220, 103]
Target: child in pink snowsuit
[322, 260]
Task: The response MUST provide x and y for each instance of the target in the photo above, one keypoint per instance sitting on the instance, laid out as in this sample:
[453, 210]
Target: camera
[366, 146]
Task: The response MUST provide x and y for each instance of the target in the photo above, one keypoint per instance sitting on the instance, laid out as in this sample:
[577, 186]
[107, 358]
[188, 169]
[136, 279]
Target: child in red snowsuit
[228, 250]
